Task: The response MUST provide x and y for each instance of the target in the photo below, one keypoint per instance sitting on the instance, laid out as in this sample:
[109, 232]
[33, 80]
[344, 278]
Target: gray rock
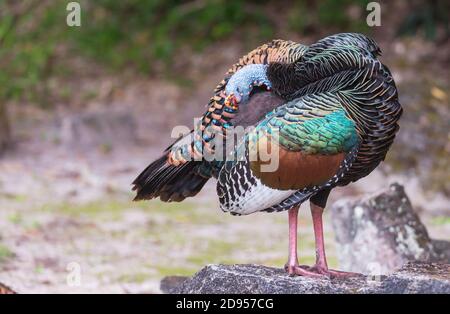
[170, 283]
[442, 251]
[255, 279]
[101, 128]
[381, 233]
[261, 279]
[418, 278]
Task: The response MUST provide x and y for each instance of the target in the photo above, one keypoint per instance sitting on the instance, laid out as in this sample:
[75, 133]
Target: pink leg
[292, 266]
[321, 258]
[293, 217]
[321, 266]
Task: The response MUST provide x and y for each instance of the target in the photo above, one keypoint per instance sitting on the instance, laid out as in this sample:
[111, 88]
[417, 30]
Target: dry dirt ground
[67, 210]
[65, 200]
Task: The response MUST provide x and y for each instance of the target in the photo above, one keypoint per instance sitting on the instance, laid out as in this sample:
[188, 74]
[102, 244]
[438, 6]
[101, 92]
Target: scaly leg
[321, 266]
[292, 266]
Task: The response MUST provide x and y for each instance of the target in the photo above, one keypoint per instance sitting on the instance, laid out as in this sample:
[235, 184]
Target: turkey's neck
[256, 108]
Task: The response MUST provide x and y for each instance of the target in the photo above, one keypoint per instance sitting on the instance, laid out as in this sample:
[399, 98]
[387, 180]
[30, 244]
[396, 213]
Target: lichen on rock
[380, 233]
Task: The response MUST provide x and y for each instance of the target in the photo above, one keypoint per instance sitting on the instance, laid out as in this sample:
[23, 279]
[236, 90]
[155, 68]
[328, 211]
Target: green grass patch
[19, 198]
[15, 218]
[5, 253]
[440, 220]
[170, 270]
[138, 277]
[180, 212]
[91, 208]
[216, 251]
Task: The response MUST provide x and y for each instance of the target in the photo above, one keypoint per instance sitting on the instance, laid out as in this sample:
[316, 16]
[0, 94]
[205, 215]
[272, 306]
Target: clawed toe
[318, 272]
[297, 270]
[331, 273]
[343, 274]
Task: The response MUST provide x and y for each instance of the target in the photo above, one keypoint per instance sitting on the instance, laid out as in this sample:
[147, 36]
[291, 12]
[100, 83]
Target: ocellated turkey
[329, 110]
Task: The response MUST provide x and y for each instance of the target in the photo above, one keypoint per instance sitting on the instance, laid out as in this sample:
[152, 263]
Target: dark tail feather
[170, 183]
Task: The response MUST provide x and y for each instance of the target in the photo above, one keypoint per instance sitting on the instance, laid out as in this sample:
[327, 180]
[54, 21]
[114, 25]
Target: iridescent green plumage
[311, 132]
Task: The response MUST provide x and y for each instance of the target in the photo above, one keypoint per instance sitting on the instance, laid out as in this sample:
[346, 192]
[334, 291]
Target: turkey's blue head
[245, 80]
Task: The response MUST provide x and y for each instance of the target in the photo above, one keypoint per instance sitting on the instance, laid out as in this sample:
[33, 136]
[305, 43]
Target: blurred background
[84, 109]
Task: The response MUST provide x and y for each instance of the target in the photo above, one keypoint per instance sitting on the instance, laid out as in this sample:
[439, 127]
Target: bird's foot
[318, 272]
[330, 273]
[297, 270]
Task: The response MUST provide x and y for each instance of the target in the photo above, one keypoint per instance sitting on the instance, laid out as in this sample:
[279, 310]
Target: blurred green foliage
[34, 36]
[146, 36]
[427, 16]
[314, 16]
[135, 32]
[28, 38]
